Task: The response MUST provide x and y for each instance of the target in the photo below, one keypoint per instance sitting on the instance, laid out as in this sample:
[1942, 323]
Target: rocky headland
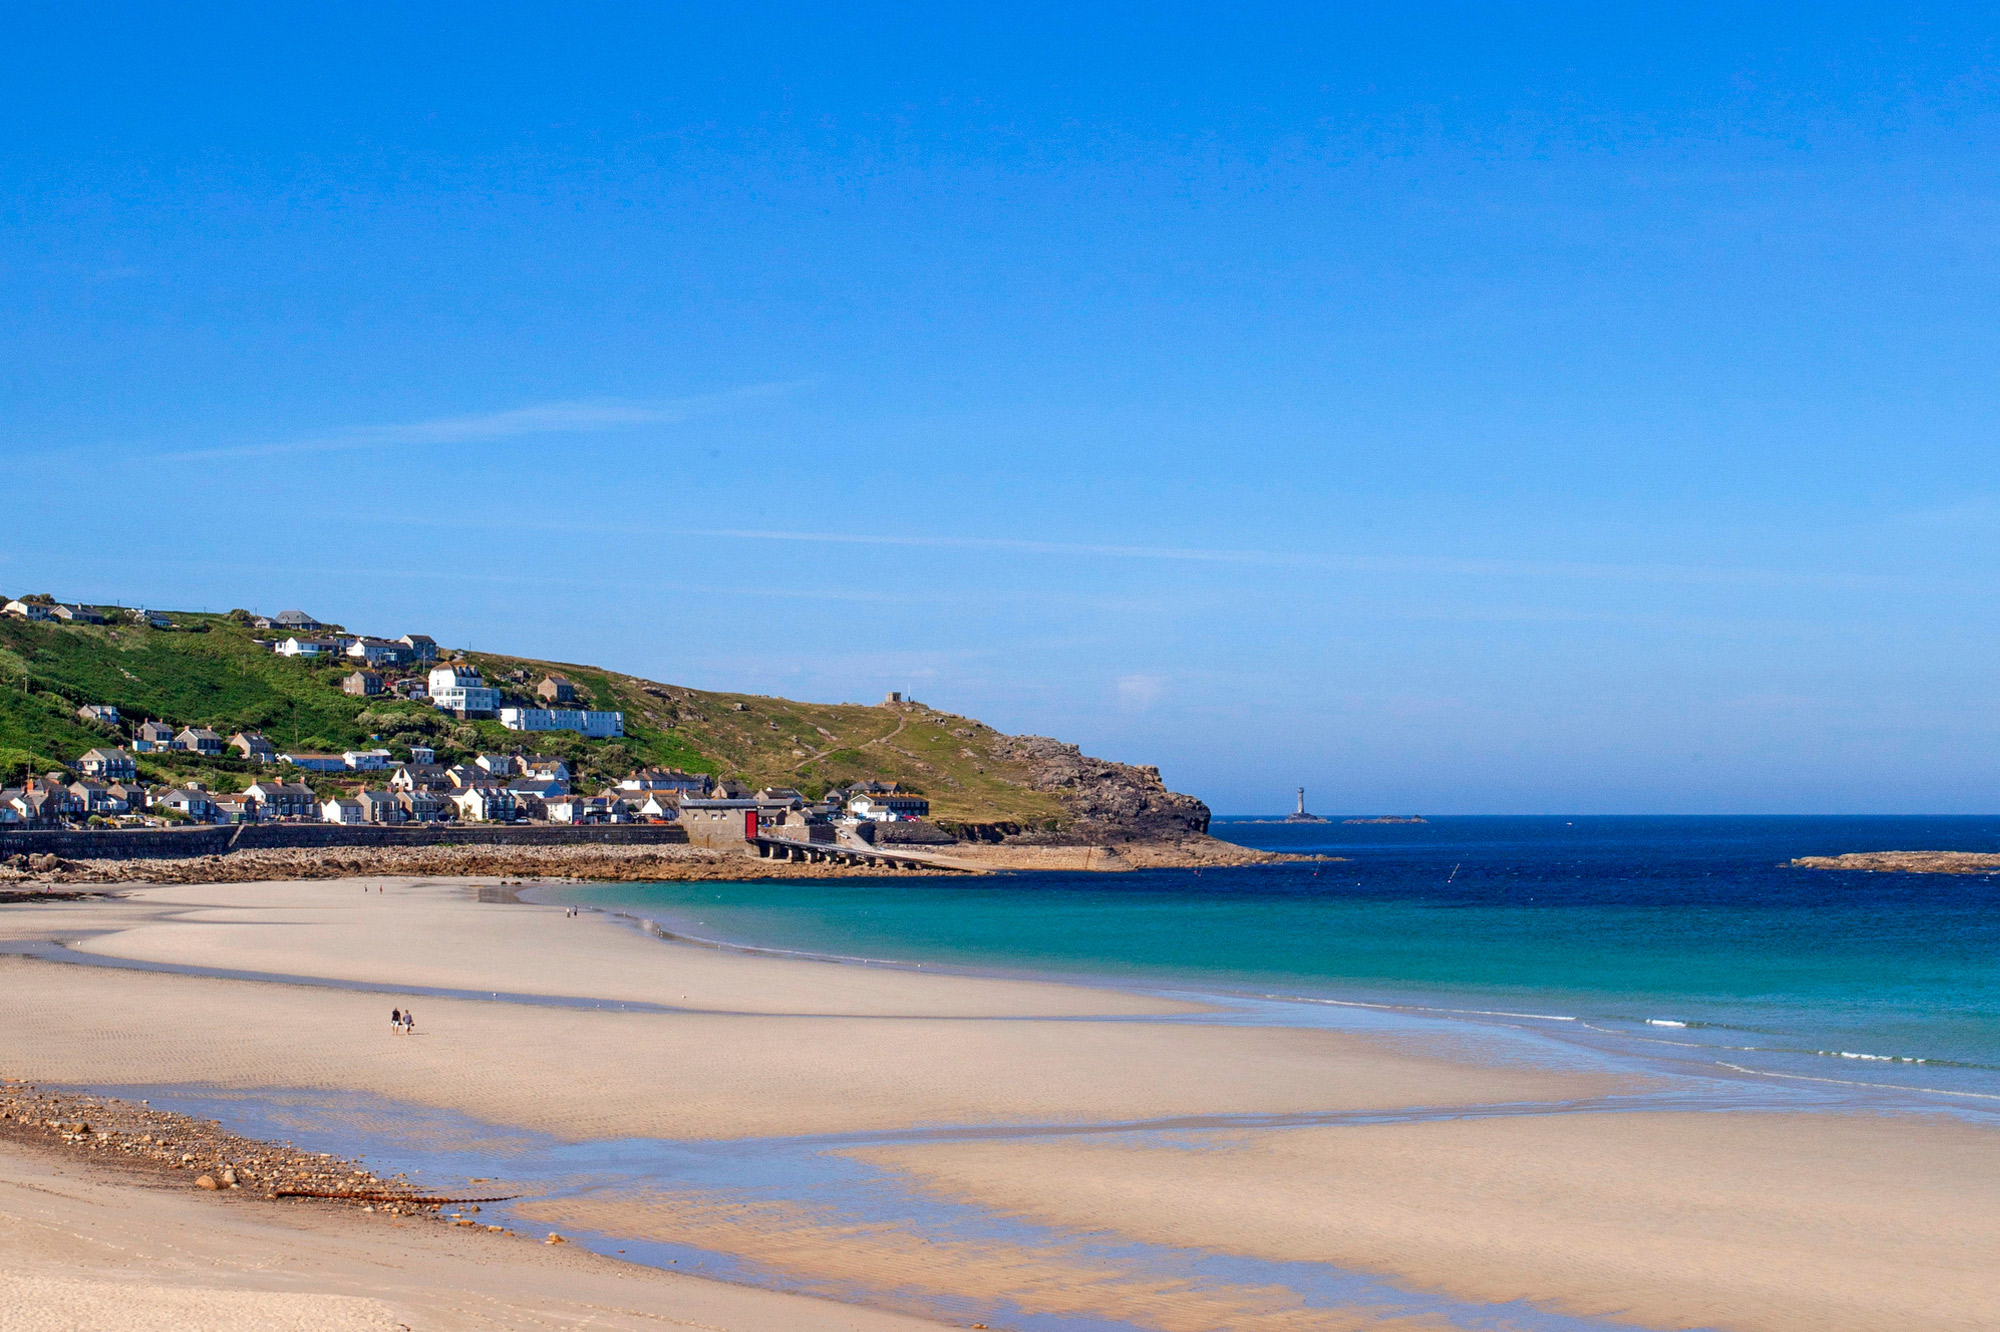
[1906, 862]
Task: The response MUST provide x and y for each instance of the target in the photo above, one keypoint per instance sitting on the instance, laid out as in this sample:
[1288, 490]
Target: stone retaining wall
[182, 843]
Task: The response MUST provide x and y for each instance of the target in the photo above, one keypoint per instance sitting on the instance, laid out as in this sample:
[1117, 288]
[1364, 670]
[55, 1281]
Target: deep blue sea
[1689, 935]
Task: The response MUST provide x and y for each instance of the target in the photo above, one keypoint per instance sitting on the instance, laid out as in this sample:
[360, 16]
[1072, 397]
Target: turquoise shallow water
[1557, 943]
[1631, 926]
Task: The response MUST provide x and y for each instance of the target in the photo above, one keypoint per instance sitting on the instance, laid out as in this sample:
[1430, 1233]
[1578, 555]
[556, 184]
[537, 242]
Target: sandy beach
[889, 1145]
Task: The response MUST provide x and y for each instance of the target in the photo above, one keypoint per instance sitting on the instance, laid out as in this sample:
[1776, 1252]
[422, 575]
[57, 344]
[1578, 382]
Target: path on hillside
[901, 722]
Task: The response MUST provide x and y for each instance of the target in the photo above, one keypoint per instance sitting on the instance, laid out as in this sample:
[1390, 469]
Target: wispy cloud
[587, 416]
[1304, 561]
[1138, 693]
[1358, 564]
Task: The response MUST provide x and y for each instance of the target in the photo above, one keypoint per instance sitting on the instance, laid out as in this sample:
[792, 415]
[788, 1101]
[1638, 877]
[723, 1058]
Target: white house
[587, 809]
[27, 610]
[366, 760]
[662, 805]
[888, 808]
[343, 809]
[378, 651]
[457, 687]
[304, 647]
[591, 725]
[484, 804]
[315, 762]
[664, 779]
[541, 765]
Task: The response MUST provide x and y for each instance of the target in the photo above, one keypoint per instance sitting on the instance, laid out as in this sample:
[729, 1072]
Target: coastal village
[404, 783]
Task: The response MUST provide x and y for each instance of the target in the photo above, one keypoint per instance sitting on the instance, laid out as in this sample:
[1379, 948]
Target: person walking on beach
[409, 1023]
[396, 1021]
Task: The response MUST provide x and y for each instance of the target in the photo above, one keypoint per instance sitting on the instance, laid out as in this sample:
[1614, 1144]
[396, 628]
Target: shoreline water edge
[924, 1143]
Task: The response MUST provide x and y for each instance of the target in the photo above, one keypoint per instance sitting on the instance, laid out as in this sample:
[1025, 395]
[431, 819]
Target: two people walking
[402, 1021]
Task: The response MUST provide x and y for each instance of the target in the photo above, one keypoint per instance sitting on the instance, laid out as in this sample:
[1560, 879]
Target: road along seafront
[962, 1149]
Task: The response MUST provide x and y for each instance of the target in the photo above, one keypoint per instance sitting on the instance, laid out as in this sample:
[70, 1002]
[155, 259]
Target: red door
[749, 825]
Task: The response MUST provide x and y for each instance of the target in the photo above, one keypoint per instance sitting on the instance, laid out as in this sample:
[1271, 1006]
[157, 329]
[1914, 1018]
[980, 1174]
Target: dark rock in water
[1105, 801]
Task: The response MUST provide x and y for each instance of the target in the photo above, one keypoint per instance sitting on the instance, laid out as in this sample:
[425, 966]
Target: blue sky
[1449, 408]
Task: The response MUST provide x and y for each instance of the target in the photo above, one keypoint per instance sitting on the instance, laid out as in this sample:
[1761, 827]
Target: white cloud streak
[588, 416]
[1356, 564]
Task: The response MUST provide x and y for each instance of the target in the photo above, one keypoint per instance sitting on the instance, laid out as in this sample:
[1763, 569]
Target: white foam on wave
[1664, 1022]
[1420, 1008]
[1849, 1082]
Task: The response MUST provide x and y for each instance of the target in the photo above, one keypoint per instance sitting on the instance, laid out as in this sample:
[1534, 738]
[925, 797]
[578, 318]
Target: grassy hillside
[208, 671]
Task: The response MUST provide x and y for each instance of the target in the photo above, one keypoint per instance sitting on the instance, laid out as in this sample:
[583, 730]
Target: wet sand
[84, 1248]
[1654, 1219]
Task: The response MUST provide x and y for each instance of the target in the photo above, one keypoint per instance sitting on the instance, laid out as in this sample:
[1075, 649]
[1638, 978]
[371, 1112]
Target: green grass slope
[209, 671]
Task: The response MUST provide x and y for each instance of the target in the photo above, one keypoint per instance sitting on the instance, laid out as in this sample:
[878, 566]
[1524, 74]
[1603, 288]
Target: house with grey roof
[240, 808]
[380, 651]
[284, 800]
[485, 804]
[108, 765]
[253, 747]
[97, 797]
[343, 809]
[421, 777]
[191, 801]
[153, 737]
[199, 740]
[424, 806]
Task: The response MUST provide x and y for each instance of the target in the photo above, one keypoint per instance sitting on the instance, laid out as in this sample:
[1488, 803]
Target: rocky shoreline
[589, 862]
[195, 1153]
[1906, 862]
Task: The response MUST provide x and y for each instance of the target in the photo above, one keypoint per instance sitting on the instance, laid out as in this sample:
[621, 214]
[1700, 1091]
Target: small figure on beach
[409, 1023]
[396, 1021]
